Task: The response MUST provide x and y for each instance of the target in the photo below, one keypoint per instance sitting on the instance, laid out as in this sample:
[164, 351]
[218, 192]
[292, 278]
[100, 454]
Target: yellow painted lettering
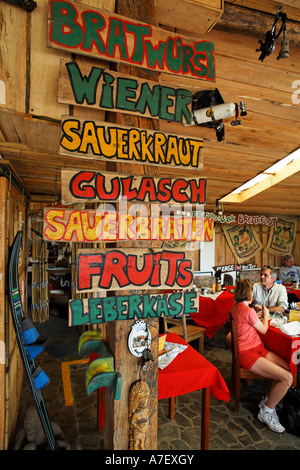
[184, 156]
[89, 137]
[121, 143]
[55, 229]
[71, 139]
[133, 140]
[108, 146]
[145, 144]
[160, 140]
[74, 226]
[172, 150]
[196, 152]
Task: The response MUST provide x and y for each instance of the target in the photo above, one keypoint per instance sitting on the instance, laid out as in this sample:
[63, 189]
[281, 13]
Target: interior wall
[13, 216]
[224, 256]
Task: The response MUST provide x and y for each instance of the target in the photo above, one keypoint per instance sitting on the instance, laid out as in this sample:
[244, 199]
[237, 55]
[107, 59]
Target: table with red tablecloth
[212, 314]
[190, 371]
[290, 290]
[287, 347]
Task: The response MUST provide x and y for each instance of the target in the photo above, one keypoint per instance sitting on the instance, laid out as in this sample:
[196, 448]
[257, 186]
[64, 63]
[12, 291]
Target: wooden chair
[189, 332]
[238, 372]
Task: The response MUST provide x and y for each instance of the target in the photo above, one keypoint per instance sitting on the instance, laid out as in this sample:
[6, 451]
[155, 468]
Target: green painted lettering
[106, 100]
[148, 306]
[183, 99]
[139, 31]
[149, 99]
[94, 308]
[162, 306]
[121, 307]
[84, 88]
[189, 305]
[117, 39]
[166, 102]
[187, 64]
[133, 307]
[174, 54]
[175, 305]
[155, 54]
[206, 53]
[64, 28]
[93, 23]
[109, 311]
[78, 316]
[125, 90]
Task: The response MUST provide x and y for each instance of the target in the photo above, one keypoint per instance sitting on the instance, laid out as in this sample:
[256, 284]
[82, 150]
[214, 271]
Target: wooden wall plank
[13, 64]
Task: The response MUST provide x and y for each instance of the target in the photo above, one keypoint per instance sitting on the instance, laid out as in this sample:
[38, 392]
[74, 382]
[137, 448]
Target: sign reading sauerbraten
[85, 30]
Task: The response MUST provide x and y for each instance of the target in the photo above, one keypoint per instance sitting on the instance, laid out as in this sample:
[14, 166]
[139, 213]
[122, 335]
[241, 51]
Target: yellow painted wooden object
[66, 379]
[101, 370]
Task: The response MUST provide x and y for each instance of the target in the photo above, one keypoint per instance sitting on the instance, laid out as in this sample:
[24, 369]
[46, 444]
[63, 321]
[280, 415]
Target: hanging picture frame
[139, 338]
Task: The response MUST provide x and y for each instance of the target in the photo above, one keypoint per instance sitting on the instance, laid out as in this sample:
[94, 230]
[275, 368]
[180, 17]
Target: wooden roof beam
[242, 20]
[268, 182]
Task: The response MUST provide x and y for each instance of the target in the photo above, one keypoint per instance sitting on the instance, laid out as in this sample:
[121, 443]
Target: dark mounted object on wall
[28, 5]
[268, 46]
[209, 110]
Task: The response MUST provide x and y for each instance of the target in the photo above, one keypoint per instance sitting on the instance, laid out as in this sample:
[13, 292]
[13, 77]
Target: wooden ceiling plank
[267, 183]
[269, 6]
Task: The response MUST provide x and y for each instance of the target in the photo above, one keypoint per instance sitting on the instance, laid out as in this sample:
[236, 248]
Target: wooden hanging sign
[82, 29]
[89, 226]
[93, 186]
[95, 87]
[115, 143]
[133, 268]
[131, 307]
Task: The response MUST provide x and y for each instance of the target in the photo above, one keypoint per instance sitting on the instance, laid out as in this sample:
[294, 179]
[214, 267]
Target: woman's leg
[277, 371]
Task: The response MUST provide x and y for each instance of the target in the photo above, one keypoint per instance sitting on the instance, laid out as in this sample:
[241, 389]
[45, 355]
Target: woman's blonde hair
[243, 290]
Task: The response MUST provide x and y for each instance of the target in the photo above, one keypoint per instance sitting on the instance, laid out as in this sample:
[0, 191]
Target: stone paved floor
[228, 430]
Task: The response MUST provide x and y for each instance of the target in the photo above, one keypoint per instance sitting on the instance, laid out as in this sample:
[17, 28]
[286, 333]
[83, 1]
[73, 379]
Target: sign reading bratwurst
[82, 29]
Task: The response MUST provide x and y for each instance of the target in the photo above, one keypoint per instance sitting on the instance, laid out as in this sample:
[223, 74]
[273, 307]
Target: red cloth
[188, 372]
[213, 314]
[283, 345]
[293, 291]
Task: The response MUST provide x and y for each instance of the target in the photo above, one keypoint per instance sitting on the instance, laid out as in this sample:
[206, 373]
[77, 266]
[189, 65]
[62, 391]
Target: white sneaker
[271, 420]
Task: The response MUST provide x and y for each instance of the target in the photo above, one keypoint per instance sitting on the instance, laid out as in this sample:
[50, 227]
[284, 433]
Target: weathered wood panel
[13, 64]
[13, 212]
[198, 17]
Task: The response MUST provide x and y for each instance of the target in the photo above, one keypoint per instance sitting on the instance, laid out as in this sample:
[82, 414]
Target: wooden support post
[116, 430]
